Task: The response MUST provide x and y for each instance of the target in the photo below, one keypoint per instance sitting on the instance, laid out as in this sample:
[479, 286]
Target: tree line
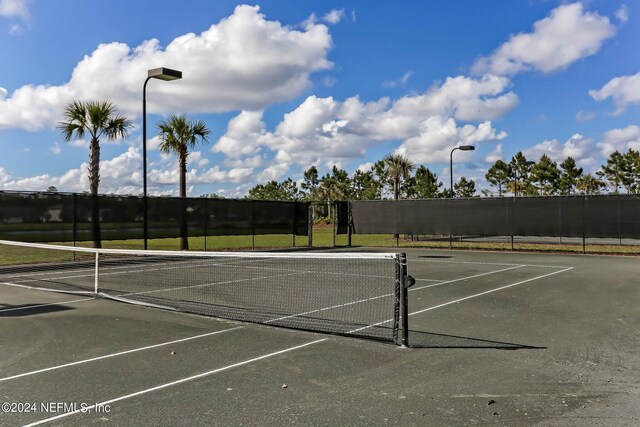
[396, 177]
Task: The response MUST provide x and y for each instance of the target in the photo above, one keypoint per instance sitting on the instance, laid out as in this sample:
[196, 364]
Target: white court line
[412, 260]
[29, 307]
[465, 278]
[466, 298]
[490, 291]
[36, 288]
[173, 383]
[107, 356]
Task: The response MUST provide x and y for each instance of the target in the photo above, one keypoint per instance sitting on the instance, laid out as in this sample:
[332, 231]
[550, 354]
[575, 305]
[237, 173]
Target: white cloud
[585, 116]
[624, 90]
[401, 81]
[242, 62]
[15, 9]
[4, 176]
[620, 139]
[273, 172]
[115, 177]
[567, 35]
[578, 146]
[439, 135]
[16, 30]
[245, 136]
[494, 155]
[56, 149]
[334, 16]
[322, 130]
[623, 14]
[365, 167]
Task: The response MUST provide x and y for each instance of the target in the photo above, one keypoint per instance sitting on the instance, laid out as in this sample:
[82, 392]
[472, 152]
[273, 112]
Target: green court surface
[496, 338]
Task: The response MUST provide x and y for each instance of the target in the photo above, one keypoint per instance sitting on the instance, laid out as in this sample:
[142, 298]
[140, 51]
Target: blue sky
[287, 84]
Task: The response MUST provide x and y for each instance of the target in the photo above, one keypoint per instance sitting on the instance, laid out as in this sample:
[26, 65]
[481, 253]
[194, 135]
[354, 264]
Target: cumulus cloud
[578, 146]
[244, 62]
[567, 35]
[620, 139]
[439, 135]
[585, 116]
[322, 130]
[624, 90]
[623, 14]
[245, 136]
[15, 9]
[115, 175]
[334, 16]
[494, 155]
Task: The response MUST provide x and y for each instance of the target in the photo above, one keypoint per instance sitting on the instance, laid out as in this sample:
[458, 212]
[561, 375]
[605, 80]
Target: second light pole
[165, 74]
[462, 148]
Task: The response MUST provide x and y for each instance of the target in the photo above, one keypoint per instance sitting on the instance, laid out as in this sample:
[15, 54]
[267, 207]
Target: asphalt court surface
[497, 338]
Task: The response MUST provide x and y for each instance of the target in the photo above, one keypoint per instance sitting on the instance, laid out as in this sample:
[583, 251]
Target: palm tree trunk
[184, 229]
[94, 182]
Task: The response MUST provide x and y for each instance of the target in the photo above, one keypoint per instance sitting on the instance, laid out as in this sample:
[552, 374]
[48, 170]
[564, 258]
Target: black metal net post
[403, 284]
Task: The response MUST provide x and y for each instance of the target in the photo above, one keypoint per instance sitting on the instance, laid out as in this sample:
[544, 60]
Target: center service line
[180, 381]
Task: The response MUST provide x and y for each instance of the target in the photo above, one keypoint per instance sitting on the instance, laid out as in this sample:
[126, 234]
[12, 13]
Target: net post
[95, 277]
[404, 300]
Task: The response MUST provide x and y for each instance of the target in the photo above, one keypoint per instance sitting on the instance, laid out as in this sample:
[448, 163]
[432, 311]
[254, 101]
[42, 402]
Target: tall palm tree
[177, 136]
[397, 167]
[98, 119]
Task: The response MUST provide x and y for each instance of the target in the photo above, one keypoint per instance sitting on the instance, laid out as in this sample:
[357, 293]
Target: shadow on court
[421, 339]
[24, 310]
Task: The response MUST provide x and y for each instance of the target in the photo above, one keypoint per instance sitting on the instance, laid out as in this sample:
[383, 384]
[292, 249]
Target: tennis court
[495, 338]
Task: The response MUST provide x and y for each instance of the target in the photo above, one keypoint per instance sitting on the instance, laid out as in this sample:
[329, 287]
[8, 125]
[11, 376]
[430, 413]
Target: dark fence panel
[67, 217]
[571, 216]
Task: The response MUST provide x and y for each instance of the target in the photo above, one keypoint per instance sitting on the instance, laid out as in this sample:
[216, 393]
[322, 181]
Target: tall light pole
[166, 74]
[462, 148]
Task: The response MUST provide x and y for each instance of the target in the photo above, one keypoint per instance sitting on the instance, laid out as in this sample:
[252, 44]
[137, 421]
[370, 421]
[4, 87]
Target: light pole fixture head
[165, 74]
[466, 147]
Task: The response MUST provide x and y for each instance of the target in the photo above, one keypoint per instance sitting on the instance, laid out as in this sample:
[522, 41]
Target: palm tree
[98, 119]
[397, 167]
[178, 135]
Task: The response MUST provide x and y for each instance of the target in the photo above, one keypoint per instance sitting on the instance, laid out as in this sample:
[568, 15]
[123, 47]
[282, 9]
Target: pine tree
[426, 183]
[465, 188]
[613, 171]
[546, 175]
[499, 175]
[569, 176]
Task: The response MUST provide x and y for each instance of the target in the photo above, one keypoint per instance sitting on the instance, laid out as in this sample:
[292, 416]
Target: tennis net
[356, 294]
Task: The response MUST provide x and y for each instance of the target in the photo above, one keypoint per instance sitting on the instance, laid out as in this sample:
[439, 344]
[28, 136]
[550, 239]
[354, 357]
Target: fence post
[349, 224]
[334, 218]
[310, 224]
[206, 221]
[253, 225]
[584, 226]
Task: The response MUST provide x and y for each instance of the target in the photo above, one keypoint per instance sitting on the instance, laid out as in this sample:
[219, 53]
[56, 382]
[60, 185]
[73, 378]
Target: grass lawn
[322, 237]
